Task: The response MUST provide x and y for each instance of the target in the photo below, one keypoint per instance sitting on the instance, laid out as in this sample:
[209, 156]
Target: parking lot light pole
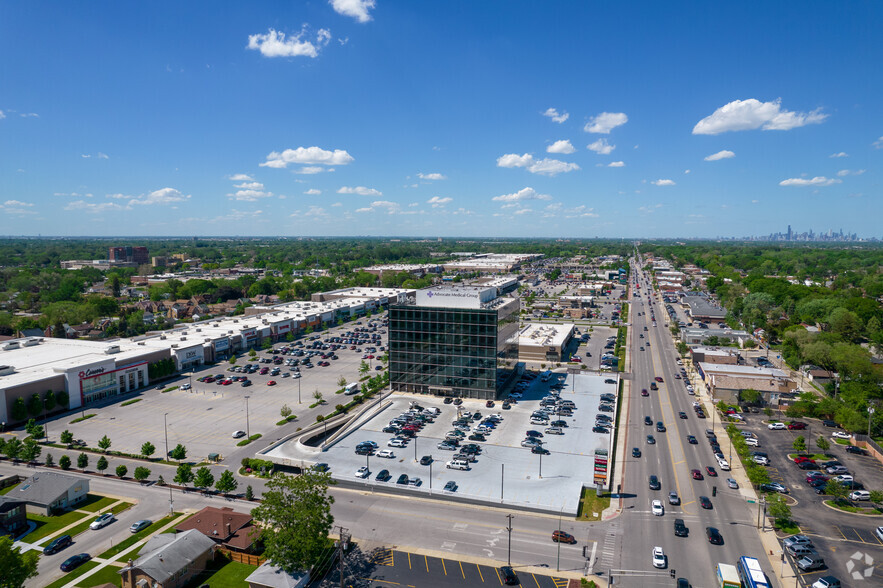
[298, 390]
[541, 465]
[509, 529]
[870, 414]
[166, 430]
[430, 475]
[247, 430]
[558, 562]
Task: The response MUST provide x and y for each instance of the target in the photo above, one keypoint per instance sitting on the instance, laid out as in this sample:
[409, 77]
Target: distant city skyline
[454, 119]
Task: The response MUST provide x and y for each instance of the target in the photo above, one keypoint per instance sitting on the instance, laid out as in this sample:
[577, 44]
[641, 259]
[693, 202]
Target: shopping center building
[448, 341]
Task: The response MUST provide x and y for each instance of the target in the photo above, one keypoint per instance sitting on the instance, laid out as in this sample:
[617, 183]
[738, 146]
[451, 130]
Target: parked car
[57, 544]
[139, 525]
[75, 561]
[102, 521]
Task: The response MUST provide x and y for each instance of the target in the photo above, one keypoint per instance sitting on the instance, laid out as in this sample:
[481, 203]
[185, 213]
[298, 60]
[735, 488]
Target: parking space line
[537, 582]
[444, 567]
[409, 562]
[498, 576]
[839, 531]
[560, 582]
[480, 575]
[426, 561]
[461, 569]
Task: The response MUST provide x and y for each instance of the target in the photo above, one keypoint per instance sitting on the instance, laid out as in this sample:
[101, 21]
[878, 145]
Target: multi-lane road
[671, 459]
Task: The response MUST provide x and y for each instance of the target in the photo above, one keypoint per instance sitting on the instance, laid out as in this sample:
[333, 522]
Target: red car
[271, 383]
[711, 471]
[644, 392]
[209, 380]
[697, 475]
[797, 425]
[227, 382]
[801, 459]
[658, 378]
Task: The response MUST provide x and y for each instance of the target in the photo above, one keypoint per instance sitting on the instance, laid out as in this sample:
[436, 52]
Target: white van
[351, 389]
[456, 464]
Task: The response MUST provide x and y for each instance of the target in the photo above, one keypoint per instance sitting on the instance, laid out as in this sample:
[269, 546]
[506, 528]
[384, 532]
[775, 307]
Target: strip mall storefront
[100, 381]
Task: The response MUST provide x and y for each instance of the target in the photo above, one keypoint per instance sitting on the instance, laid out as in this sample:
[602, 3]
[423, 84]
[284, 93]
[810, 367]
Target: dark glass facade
[450, 351]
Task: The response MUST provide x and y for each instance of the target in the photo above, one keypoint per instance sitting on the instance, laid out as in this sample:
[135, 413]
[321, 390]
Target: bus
[751, 574]
[351, 389]
[727, 576]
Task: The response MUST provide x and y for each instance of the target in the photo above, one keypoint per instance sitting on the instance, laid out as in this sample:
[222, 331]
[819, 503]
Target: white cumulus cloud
[360, 190]
[161, 196]
[725, 154]
[432, 176]
[92, 208]
[436, 202]
[878, 144]
[662, 182]
[307, 156]
[616, 164]
[605, 122]
[558, 117]
[836, 155]
[240, 178]
[816, 181]
[522, 195]
[275, 44]
[378, 205]
[850, 172]
[358, 9]
[313, 192]
[313, 169]
[546, 167]
[563, 146]
[746, 115]
[601, 146]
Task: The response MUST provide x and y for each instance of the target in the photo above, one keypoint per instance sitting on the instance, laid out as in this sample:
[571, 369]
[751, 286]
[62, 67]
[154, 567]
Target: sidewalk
[24, 546]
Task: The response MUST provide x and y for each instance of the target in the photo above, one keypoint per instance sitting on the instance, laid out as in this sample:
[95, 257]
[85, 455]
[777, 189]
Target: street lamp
[870, 414]
[247, 430]
[509, 529]
[166, 430]
[430, 474]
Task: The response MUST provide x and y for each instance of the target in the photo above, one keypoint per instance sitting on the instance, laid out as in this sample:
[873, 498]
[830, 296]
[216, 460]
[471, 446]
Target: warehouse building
[546, 343]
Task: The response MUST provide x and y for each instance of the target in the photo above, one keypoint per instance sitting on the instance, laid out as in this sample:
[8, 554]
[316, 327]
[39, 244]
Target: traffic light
[714, 490]
[671, 573]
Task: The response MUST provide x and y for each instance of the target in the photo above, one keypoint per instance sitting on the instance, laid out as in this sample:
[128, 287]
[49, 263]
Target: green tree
[184, 475]
[876, 496]
[249, 493]
[285, 411]
[19, 409]
[13, 448]
[252, 353]
[141, 473]
[757, 475]
[49, 401]
[64, 462]
[318, 396]
[779, 510]
[295, 517]
[35, 405]
[341, 382]
[232, 360]
[67, 437]
[122, 471]
[82, 461]
[104, 443]
[178, 453]
[101, 464]
[16, 567]
[823, 444]
[799, 444]
[837, 490]
[204, 478]
[30, 450]
[50, 461]
[33, 429]
[750, 396]
[364, 368]
[62, 398]
[147, 449]
[226, 482]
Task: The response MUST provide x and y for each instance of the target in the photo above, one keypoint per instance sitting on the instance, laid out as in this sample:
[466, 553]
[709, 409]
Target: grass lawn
[121, 507]
[107, 575]
[790, 528]
[223, 574]
[8, 489]
[129, 541]
[48, 525]
[74, 574]
[590, 504]
[842, 441]
[94, 503]
[847, 507]
[812, 456]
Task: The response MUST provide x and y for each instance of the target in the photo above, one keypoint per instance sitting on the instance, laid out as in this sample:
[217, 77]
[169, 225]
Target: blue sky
[455, 118]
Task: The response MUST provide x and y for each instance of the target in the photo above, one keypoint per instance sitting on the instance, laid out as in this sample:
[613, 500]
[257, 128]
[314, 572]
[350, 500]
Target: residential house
[226, 527]
[169, 560]
[46, 492]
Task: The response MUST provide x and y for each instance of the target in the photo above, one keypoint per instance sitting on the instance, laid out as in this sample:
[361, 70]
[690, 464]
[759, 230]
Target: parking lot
[504, 471]
[836, 535]
[399, 568]
[204, 417]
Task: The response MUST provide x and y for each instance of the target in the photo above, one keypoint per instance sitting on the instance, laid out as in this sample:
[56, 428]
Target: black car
[856, 450]
[426, 460]
[654, 483]
[660, 427]
[599, 429]
[57, 544]
[477, 437]
[448, 400]
[829, 423]
[403, 479]
[691, 439]
[540, 450]
[75, 561]
[704, 502]
[648, 421]
[714, 536]
[682, 415]
[636, 452]
[451, 486]
[365, 450]
[533, 434]
[508, 575]
[383, 476]
[651, 440]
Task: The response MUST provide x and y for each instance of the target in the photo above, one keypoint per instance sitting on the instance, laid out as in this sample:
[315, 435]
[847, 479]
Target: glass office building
[448, 342]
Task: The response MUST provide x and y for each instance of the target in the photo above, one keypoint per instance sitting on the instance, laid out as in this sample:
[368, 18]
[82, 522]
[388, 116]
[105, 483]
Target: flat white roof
[741, 370]
[540, 335]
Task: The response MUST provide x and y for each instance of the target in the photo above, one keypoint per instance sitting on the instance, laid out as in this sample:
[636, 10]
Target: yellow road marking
[426, 561]
[409, 562]
[498, 576]
[535, 580]
[480, 575]
[461, 569]
[444, 567]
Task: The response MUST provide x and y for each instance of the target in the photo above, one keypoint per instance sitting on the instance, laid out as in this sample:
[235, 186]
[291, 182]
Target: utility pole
[509, 529]
[341, 550]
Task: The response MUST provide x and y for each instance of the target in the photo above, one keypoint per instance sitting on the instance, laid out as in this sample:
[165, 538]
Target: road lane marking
[461, 569]
[444, 567]
[409, 562]
[480, 575]
[426, 561]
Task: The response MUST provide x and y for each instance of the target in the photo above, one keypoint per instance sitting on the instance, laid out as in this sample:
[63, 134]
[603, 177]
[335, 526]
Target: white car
[657, 508]
[387, 453]
[238, 434]
[185, 387]
[102, 521]
[658, 557]
[515, 395]
[752, 442]
[761, 460]
[363, 472]
[396, 443]
[841, 435]
[776, 426]
[723, 465]
[844, 478]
